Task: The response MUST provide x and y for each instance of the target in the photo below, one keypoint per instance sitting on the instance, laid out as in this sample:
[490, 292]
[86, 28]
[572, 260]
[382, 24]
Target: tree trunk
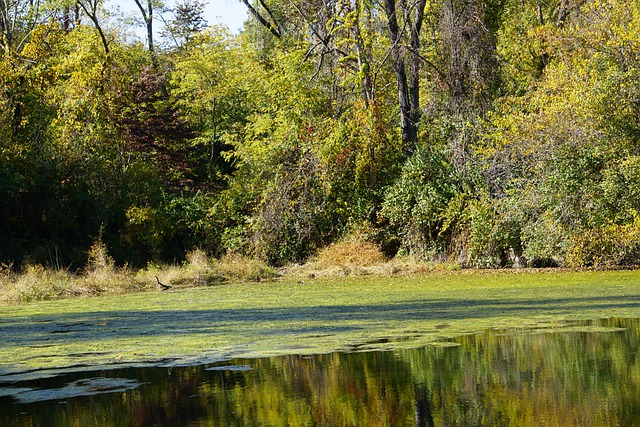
[147, 15]
[5, 25]
[407, 126]
[415, 26]
[90, 9]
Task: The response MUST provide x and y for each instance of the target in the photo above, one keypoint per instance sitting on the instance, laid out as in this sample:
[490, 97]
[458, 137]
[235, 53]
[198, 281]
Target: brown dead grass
[103, 277]
[359, 257]
[353, 252]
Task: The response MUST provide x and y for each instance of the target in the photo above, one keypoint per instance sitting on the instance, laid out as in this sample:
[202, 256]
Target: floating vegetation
[84, 387]
[215, 324]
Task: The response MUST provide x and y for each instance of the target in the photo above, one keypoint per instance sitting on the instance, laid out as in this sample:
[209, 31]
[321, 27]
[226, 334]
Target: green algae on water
[190, 326]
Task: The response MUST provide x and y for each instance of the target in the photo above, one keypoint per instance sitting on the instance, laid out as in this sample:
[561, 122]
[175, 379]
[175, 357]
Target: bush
[292, 219]
[416, 205]
[354, 251]
[489, 238]
[611, 245]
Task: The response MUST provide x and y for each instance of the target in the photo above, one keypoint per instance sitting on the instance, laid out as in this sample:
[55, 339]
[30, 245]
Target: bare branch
[90, 9]
[271, 27]
[273, 19]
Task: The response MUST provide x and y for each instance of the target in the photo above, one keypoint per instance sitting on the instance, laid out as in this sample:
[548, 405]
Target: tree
[187, 22]
[408, 88]
[147, 10]
[91, 8]
[18, 18]
[346, 30]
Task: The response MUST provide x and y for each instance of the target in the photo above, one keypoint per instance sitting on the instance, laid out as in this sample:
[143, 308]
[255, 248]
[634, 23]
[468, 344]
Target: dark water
[584, 376]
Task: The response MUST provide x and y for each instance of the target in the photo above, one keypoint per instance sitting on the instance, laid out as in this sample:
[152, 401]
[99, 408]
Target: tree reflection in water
[586, 375]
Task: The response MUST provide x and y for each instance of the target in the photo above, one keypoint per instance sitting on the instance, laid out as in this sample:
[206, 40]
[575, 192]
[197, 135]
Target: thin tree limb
[271, 27]
[92, 15]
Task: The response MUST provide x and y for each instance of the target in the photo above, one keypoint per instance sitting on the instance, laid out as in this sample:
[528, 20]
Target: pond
[572, 373]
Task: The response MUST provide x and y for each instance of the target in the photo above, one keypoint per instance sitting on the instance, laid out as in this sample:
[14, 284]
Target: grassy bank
[317, 316]
[101, 277]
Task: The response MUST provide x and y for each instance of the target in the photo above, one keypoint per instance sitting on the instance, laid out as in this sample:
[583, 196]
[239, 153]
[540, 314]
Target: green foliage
[610, 245]
[420, 204]
[276, 142]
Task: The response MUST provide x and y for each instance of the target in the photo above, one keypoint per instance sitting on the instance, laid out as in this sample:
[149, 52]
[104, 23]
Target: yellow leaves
[42, 38]
[139, 215]
[261, 126]
[76, 64]
[573, 98]
[257, 141]
[609, 245]
[431, 6]
[611, 27]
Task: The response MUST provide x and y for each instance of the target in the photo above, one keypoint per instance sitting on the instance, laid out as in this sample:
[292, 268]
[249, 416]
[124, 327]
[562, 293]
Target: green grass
[264, 319]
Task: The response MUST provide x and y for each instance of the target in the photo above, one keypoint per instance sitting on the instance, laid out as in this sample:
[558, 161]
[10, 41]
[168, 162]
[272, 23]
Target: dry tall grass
[37, 283]
[354, 256]
[201, 270]
[103, 277]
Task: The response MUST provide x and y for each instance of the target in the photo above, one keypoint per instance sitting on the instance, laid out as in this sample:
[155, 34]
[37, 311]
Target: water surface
[583, 373]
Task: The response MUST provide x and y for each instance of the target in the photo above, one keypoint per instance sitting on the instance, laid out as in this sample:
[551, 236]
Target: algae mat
[200, 325]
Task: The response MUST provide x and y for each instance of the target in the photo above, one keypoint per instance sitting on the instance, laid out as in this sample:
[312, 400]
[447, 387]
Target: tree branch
[271, 27]
[271, 16]
[93, 16]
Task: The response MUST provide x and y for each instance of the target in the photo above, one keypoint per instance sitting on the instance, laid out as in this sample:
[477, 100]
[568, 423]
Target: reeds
[102, 277]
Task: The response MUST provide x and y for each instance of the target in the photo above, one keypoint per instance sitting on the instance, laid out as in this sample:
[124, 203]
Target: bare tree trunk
[407, 127]
[5, 25]
[147, 15]
[415, 25]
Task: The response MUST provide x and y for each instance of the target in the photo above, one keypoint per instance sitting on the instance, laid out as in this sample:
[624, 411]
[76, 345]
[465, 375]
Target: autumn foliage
[488, 134]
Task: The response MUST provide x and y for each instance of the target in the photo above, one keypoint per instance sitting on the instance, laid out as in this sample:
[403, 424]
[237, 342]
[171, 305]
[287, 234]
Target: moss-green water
[252, 320]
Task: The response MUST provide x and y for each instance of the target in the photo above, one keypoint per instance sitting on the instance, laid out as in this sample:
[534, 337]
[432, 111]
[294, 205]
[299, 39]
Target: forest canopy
[491, 133]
